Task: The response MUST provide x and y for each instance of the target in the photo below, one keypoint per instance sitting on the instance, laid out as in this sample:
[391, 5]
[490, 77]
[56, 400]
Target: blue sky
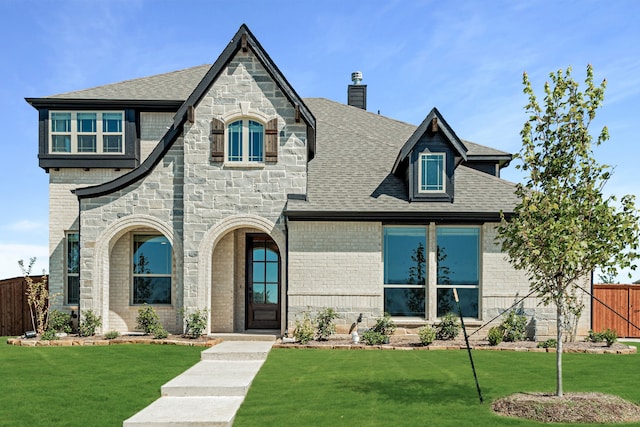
[464, 57]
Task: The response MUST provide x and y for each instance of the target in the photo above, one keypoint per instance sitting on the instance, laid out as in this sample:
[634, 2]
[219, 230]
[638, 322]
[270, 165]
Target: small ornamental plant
[449, 328]
[89, 322]
[325, 324]
[304, 330]
[195, 322]
[380, 332]
[427, 334]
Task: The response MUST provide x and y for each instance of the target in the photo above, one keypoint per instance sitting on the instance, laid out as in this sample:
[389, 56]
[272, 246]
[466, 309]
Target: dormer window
[86, 132]
[432, 172]
[245, 141]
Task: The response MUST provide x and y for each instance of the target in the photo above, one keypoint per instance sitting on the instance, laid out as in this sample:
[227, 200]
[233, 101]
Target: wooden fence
[625, 299]
[14, 310]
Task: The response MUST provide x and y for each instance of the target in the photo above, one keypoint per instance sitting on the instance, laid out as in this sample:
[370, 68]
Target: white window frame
[245, 141]
[99, 133]
[443, 178]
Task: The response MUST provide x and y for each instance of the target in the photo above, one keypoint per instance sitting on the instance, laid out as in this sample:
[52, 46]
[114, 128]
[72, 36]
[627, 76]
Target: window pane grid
[86, 132]
[245, 141]
[73, 268]
[152, 266]
[235, 141]
[431, 172]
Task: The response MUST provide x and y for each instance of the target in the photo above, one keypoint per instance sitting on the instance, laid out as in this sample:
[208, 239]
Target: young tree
[37, 297]
[564, 227]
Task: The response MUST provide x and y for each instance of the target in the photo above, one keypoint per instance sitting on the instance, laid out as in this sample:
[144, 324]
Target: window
[73, 268]
[245, 141]
[151, 270]
[458, 260]
[431, 172]
[404, 270]
[86, 132]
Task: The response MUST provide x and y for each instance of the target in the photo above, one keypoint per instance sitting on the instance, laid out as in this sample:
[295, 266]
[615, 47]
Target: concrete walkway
[210, 392]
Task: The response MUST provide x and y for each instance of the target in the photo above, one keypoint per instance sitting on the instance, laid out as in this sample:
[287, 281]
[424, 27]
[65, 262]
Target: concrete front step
[238, 350]
[214, 378]
[247, 336]
[190, 411]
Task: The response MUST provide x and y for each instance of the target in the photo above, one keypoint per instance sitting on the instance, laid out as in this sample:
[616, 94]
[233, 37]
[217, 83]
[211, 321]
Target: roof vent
[357, 93]
[356, 77]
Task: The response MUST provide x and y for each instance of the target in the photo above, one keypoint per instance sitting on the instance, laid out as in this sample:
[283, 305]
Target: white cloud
[10, 254]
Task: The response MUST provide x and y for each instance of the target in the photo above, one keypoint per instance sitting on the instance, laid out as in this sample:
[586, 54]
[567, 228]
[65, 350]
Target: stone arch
[211, 239]
[105, 243]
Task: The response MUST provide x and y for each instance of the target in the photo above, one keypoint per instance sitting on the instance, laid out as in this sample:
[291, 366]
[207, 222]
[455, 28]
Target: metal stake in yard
[466, 339]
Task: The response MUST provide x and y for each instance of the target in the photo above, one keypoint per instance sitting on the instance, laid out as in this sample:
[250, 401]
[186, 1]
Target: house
[218, 187]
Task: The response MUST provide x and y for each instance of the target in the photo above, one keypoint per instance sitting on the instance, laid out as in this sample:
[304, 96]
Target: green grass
[309, 387]
[84, 386]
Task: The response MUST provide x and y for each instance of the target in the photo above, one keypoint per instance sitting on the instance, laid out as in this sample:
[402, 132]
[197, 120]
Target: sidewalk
[210, 392]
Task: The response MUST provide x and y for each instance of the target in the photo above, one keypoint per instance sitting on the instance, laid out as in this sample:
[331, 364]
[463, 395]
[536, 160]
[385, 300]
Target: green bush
[325, 324]
[159, 332]
[89, 322]
[550, 343]
[196, 322]
[495, 335]
[449, 328]
[49, 334]
[60, 321]
[112, 335]
[514, 326]
[371, 337]
[385, 325]
[304, 330]
[147, 319]
[608, 335]
[427, 334]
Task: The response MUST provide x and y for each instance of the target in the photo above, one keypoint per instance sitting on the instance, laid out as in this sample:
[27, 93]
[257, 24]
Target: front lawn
[84, 386]
[315, 387]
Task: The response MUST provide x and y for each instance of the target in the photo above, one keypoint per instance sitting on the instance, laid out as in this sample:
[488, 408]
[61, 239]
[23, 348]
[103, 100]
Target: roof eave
[155, 104]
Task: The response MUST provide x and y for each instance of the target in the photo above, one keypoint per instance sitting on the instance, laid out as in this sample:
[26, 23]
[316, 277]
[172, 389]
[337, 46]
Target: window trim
[74, 133]
[134, 275]
[245, 141]
[479, 264]
[443, 178]
[424, 287]
[67, 273]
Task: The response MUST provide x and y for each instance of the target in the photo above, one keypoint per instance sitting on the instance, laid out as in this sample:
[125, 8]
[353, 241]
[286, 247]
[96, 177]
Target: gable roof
[424, 127]
[351, 176]
[243, 39]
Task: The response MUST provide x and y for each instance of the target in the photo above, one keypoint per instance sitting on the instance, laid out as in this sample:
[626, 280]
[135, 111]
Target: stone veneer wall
[187, 195]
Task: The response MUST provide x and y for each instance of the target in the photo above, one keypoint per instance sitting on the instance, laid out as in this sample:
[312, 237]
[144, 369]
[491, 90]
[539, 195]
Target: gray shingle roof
[174, 86]
[351, 172]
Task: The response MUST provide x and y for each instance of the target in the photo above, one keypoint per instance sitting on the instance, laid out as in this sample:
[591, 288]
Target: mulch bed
[74, 340]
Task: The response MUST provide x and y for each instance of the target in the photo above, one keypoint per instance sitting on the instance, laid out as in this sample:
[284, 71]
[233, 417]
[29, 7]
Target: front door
[263, 283]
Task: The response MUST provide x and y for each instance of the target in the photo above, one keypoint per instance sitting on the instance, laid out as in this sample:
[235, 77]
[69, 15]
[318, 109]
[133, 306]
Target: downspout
[591, 305]
[286, 277]
[79, 264]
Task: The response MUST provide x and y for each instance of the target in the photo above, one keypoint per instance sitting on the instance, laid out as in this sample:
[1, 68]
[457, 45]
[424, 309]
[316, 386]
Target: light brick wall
[337, 265]
[153, 126]
[223, 285]
[63, 216]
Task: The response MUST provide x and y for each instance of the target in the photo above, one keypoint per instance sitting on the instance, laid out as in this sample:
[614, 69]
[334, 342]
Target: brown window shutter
[217, 140]
[271, 141]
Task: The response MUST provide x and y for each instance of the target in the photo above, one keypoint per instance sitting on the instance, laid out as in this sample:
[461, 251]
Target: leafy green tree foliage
[564, 227]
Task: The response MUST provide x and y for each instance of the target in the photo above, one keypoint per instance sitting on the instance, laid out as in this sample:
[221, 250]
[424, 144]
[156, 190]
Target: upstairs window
[431, 172]
[245, 141]
[85, 132]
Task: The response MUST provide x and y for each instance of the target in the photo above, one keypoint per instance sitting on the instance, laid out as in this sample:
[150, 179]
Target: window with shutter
[217, 140]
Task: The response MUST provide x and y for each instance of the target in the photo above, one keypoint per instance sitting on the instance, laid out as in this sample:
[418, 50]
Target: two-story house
[218, 187]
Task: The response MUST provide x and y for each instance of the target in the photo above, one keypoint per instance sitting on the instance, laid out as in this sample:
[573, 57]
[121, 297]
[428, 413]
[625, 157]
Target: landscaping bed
[75, 340]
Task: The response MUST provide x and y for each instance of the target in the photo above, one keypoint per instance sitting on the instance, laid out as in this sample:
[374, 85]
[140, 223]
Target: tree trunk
[559, 321]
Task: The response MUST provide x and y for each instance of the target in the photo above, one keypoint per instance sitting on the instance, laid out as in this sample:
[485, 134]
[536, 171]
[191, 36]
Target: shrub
[325, 324]
[495, 335]
[89, 322]
[448, 328]
[514, 326]
[550, 343]
[427, 334]
[196, 322]
[49, 334]
[60, 321]
[159, 332]
[385, 325]
[607, 335]
[304, 330]
[112, 335]
[371, 337]
[147, 319]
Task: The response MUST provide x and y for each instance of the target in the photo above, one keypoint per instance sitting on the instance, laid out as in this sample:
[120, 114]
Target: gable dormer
[427, 161]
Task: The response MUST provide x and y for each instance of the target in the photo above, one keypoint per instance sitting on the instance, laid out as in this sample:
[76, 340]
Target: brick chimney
[357, 93]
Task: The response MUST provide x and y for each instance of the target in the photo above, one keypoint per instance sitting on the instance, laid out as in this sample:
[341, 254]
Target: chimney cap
[356, 77]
